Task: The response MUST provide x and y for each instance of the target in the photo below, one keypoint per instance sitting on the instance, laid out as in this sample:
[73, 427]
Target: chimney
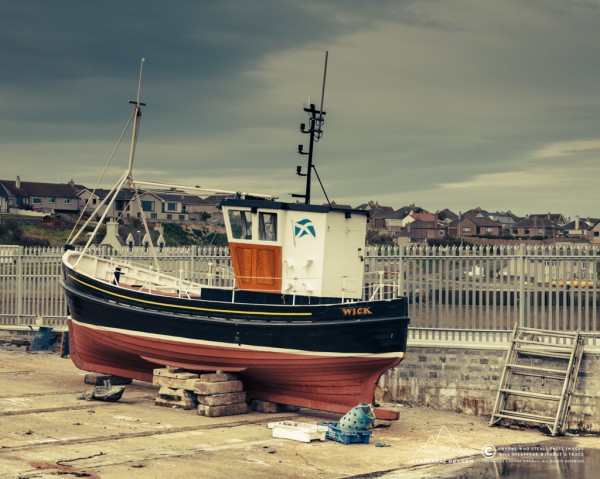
[18, 182]
[112, 228]
[577, 222]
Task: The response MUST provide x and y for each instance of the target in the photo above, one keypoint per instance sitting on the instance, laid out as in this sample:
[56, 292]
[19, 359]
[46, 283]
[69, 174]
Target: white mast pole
[136, 121]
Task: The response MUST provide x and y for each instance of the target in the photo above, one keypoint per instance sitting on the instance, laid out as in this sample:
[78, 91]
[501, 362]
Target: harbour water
[547, 461]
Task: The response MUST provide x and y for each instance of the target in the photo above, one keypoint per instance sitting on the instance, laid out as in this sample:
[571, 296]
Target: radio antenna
[315, 132]
[324, 80]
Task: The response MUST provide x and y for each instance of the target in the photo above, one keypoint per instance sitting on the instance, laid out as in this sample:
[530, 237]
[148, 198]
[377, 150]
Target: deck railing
[454, 294]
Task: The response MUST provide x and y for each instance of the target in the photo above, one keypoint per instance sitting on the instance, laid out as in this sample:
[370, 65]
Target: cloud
[569, 149]
[444, 104]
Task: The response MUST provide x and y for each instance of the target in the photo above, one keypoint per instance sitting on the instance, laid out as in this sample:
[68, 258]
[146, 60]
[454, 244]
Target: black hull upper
[375, 327]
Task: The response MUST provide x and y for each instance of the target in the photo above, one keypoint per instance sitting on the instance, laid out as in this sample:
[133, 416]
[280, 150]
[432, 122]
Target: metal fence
[454, 293]
[479, 293]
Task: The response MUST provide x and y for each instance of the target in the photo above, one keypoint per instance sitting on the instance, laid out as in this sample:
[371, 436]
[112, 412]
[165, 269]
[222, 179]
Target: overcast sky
[445, 104]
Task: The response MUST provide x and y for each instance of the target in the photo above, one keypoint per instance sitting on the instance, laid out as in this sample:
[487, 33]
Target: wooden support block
[225, 410]
[267, 407]
[97, 379]
[176, 398]
[182, 374]
[174, 383]
[205, 388]
[175, 370]
[217, 377]
[186, 405]
[221, 399]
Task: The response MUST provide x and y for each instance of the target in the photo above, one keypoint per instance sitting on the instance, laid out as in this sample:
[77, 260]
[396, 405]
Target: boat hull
[326, 357]
[333, 383]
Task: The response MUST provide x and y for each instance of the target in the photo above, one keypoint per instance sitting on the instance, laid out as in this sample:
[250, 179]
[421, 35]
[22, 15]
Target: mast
[315, 132]
[137, 114]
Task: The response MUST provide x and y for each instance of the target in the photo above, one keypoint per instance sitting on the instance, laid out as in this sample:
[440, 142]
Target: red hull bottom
[328, 383]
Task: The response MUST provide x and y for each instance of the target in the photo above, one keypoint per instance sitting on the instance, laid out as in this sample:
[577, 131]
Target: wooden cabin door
[257, 267]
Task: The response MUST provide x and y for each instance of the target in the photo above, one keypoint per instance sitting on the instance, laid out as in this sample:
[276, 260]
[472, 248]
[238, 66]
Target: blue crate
[346, 437]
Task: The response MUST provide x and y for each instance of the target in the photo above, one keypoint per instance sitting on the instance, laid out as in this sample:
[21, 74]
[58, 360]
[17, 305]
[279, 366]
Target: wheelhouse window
[267, 226]
[241, 224]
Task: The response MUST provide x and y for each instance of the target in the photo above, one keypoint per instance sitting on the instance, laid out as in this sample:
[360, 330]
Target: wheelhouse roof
[279, 205]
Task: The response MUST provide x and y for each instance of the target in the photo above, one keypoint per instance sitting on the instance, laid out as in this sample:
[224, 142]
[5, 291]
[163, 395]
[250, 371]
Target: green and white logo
[303, 228]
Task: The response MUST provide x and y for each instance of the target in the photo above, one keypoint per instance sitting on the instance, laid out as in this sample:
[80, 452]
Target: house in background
[419, 231]
[577, 228]
[121, 207]
[382, 219]
[536, 226]
[594, 233]
[506, 219]
[115, 239]
[407, 210]
[475, 226]
[476, 212]
[124, 205]
[171, 206]
[412, 223]
[447, 216]
[4, 200]
[206, 209]
[42, 197]
[557, 218]
[411, 217]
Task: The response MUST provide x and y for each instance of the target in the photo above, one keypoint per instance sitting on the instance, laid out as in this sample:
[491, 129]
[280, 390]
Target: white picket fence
[455, 294]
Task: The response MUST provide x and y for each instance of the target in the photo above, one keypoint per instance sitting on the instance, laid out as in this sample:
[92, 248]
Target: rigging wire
[110, 158]
[321, 183]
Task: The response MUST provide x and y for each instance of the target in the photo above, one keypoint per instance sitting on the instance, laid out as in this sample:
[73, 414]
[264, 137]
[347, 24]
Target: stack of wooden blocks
[215, 394]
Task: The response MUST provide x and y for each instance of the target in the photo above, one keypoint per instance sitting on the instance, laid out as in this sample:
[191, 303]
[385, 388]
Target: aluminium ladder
[527, 344]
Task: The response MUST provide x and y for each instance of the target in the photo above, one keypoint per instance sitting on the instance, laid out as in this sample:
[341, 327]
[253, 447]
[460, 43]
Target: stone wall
[466, 379]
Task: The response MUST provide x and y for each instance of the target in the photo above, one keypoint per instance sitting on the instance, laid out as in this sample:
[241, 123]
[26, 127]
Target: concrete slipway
[46, 432]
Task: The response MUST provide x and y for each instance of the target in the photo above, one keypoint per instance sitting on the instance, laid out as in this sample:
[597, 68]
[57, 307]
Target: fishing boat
[295, 326]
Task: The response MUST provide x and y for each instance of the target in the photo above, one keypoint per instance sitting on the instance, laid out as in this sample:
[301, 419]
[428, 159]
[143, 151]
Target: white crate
[298, 431]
